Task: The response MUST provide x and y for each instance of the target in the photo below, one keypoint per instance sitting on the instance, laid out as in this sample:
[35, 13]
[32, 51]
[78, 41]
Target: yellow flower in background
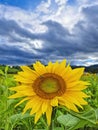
[48, 86]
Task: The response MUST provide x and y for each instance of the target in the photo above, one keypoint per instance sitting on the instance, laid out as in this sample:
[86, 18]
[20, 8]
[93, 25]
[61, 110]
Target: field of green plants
[11, 118]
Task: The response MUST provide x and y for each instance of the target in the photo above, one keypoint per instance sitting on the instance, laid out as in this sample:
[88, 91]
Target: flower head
[48, 86]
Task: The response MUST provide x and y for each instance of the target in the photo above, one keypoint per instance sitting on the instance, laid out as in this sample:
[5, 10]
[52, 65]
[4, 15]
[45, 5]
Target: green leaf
[16, 117]
[96, 113]
[58, 128]
[1, 72]
[75, 121]
[68, 120]
[90, 116]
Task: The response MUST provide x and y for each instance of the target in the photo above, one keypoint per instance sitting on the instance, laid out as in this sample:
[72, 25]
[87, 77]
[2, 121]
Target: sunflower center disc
[49, 85]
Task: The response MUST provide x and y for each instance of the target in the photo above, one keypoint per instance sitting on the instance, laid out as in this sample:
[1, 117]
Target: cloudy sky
[47, 30]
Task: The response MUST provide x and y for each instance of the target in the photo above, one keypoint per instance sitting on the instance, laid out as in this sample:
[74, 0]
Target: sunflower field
[73, 117]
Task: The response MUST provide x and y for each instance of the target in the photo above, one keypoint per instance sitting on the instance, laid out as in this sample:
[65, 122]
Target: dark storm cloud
[13, 55]
[57, 40]
[82, 42]
[83, 39]
[87, 29]
[9, 28]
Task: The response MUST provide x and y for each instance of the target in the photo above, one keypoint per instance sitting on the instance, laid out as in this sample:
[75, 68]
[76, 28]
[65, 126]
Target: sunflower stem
[51, 127]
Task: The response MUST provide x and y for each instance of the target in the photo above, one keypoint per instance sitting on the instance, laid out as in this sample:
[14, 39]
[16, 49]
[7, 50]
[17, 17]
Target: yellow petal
[54, 102]
[75, 74]
[73, 100]
[77, 88]
[80, 99]
[78, 93]
[49, 67]
[63, 63]
[65, 72]
[48, 114]
[36, 107]
[71, 106]
[22, 79]
[37, 116]
[60, 68]
[28, 105]
[24, 90]
[67, 104]
[28, 70]
[28, 92]
[45, 105]
[78, 96]
[27, 75]
[78, 85]
[40, 68]
[21, 101]
[54, 67]
[16, 95]
[20, 87]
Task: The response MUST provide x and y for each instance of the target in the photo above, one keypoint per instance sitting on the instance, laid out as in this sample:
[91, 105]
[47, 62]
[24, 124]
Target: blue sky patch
[25, 4]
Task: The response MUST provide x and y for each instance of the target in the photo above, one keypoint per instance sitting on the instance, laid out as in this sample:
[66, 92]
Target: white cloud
[44, 7]
[59, 11]
[61, 2]
[26, 19]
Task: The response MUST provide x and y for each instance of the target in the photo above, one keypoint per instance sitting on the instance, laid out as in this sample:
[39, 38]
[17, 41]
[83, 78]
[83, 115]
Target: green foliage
[9, 69]
[92, 90]
[11, 118]
[74, 121]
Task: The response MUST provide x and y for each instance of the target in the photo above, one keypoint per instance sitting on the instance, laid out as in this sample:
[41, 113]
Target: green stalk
[51, 127]
[6, 104]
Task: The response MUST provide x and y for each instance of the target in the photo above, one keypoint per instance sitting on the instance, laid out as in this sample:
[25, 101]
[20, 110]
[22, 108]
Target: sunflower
[48, 86]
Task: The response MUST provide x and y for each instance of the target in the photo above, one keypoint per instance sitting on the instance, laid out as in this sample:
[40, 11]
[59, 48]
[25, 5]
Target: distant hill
[93, 69]
[90, 69]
